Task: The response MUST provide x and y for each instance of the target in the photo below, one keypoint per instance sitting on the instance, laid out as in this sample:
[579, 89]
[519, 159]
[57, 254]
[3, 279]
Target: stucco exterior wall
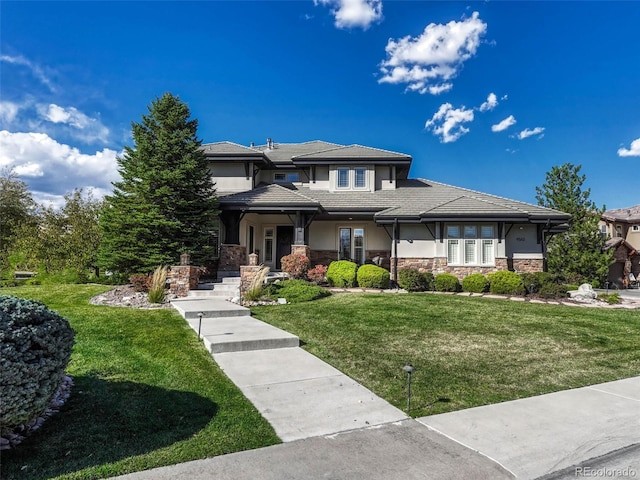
[522, 239]
[383, 181]
[323, 235]
[415, 241]
[230, 177]
[322, 178]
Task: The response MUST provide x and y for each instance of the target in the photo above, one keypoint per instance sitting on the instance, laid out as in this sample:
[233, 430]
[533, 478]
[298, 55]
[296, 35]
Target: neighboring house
[330, 201]
[622, 228]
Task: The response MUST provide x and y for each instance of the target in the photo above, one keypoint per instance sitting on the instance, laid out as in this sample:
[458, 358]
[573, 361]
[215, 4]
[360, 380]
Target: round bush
[372, 276]
[447, 282]
[505, 282]
[35, 348]
[295, 265]
[553, 290]
[475, 283]
[412, 280]
[342, 273]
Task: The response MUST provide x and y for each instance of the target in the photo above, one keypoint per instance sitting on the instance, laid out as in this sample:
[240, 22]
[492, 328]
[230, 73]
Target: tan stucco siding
[323, 235]
[230, 177]
[322, 178]
[383, 180]
[634, 237]
[415, 241]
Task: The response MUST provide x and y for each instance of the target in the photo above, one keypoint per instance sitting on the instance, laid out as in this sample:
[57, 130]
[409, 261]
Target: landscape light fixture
[409, 369]
[200, 314]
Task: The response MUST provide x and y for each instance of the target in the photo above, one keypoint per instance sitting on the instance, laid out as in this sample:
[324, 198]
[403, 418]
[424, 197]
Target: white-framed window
[289, 177]
[351, 244]
[635, 228]
[342, 180]
[268, 244]
[470, 245]
[352, 178]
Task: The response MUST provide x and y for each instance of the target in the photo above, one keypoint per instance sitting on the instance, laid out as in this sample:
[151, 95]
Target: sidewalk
[335, 428]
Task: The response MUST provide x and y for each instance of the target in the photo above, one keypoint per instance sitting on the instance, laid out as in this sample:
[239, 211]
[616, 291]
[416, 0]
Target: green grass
[146, 394]
[468, 351]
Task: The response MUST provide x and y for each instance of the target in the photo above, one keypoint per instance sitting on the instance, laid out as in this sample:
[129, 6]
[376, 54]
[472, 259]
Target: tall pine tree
[165, 203]
[577, 254]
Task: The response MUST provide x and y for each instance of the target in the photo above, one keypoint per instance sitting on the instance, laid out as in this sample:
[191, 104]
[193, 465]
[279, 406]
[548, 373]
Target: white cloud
[8, 111]
[433, 58]
[354, 13]
[438, 89]
[504, 124]
[88, 129]
[490, 104]
[526, 133]
[448, 122]
[36, 70]
[55, 168]
[634, 151]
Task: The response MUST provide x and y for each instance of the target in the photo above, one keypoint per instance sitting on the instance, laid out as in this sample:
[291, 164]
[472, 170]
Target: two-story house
[330, 201]
[622, 228]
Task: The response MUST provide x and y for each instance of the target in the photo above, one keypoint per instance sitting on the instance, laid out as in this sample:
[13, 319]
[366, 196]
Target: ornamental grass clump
[157, 285]
[255, 291]
[35, 348]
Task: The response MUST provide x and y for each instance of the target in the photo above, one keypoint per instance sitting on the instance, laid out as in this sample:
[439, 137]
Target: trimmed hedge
[505, 282]
[342, 273]
[35, 348]
[553, 290]
[447, 282]
[372, 276]
[411, 280]
[475, 283]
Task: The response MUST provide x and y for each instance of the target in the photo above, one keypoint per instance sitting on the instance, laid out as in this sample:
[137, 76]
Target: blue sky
[483, 95]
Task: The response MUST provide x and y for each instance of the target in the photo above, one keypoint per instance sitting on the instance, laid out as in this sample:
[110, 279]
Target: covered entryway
[284, 240]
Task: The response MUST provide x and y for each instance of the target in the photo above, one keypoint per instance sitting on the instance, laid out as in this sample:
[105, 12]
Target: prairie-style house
[622, 229]
[330, 201]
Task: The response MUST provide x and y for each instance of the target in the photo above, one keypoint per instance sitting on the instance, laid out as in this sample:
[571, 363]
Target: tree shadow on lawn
[104, 422]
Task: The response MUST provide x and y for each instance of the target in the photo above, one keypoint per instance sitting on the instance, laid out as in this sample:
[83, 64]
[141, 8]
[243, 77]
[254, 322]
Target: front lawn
[468, 351]
[146, 394]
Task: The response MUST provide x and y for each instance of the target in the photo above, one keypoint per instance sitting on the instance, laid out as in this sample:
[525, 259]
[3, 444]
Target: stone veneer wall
[528, 265]
[231, 257]
[322, 257]
[301, 250]
[182, 279]
[247, 274]
[439, 265]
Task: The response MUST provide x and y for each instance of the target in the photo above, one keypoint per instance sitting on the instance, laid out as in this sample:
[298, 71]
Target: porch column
[231, 221]
[232, 255]
[298, 235]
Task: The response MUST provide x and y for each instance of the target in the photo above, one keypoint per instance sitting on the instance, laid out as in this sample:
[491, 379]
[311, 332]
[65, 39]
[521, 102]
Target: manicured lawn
[467, 351]
[146, 394]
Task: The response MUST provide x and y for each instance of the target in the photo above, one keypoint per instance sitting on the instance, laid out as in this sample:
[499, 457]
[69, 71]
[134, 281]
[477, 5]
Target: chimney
[252, 144]
[269, 143]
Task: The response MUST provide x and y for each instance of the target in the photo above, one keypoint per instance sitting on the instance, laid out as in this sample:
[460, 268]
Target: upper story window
[289, 177]
[351, 178]
[635, 228]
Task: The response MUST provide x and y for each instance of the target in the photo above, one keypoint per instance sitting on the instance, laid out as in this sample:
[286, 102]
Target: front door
[284, 239]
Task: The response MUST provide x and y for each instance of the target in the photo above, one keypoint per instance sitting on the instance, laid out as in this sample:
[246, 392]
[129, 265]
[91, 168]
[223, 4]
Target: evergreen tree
[165, 202]
[577, 254]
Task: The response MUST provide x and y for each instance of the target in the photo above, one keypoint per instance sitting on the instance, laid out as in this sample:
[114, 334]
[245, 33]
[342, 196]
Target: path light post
[606, 284]
[200, 314]
[409, 369]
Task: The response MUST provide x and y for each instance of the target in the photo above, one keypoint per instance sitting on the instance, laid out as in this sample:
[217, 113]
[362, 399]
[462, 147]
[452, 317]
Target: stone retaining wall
[183, 278]
[231, 257]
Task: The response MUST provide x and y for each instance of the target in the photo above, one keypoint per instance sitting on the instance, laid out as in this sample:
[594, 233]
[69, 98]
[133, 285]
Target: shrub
[296, 291]
[553, 290]
[412, 280]
[141, 283]
[534, 281]
[35, 349]
[610, 298]
[505, 282]
[430, 280]
[157, 285]
[317, 274]
[372, 276]
[342, 273]
[475, 283]
[295, 265]
[447, 282]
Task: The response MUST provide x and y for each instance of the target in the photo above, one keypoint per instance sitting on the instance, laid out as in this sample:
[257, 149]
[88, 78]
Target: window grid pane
[358, 245]
[360, 178]
[453, 231]
[470, 231]
[452, 252]
[487, 252]
[469, 251]
[487, 231]
[343, 178]
[345, 244]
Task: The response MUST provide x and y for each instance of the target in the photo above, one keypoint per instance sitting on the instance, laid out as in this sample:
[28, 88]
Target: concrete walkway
[335, 428]
[300, 395]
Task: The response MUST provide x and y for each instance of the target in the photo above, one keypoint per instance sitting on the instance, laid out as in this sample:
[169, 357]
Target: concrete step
[241, 334]
[223, 294]
[211, 307]
[231, 280]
